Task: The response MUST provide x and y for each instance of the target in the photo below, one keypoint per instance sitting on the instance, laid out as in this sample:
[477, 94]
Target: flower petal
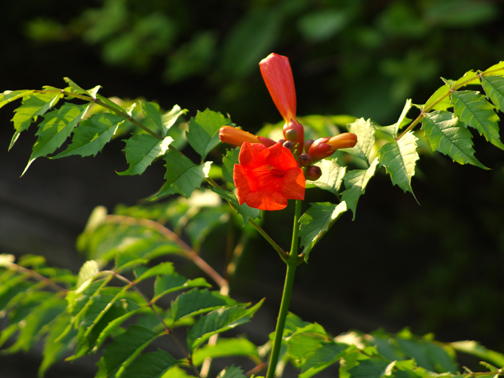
[266, 200]
[294, 184]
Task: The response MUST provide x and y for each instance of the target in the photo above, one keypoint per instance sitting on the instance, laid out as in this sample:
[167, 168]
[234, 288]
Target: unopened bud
[313, 173]
[305, 160]
[291, 135]
[307, 145]
[289, 145]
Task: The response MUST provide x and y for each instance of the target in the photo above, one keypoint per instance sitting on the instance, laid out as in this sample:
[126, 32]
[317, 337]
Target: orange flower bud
[325, 147]
[292, 126]
[277, 74]
[237, 137]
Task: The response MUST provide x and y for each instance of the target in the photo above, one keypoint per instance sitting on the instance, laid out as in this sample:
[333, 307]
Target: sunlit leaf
[75, 88]
[447, 135]
[228, 163]
[182, 175]
[225, 348]
[365, 138]
[355, 183]
[141, 150]
[203, 133]
[92, 135]
[331, 178]
[8, 96]
[476, 349]
[440, 100]
[473, 109]
[494, 89]
[316, 222]
[399, 158]
[231, 372]
[219, 321]
[150, 365]
[169, 283]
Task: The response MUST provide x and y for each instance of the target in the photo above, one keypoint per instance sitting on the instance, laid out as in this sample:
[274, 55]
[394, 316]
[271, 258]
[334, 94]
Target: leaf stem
[292, 263]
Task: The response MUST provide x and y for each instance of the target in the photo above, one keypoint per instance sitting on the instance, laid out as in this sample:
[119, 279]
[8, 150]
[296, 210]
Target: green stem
[292, 263]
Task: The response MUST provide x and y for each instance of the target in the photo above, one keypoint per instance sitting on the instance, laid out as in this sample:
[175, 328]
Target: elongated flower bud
[324, 147]
[277, 74]
[237, 137]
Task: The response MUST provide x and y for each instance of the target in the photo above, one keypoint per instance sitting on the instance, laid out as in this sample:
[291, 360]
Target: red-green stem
[292, 263]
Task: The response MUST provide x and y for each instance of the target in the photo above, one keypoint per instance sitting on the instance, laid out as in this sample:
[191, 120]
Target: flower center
[274, 171]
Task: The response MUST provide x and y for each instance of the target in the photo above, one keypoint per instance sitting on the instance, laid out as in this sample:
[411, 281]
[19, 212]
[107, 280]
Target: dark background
[435, 267]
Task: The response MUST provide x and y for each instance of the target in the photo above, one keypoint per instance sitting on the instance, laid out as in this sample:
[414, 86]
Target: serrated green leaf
[141, 150]
[226, 348]
[150, 365]
[244, 210]
[54, 350]
[173, 282]
[365, 138]
[496, 69]
[182, 175]
[151, 111]
[473, 109]
[55, 129]
[112, 326]
[8, 96]
[196, 301]
[469, 78]
[476, 349]
[203, 133]
[219, 321]
[92, 135]
[316, 222]
[33, 106]
[325, 355]
[119, 354]
[119, 109]
[331, 178]
[494, 89]
[440, 100]
[75, 88]
[170, 117]
[231, 372]
[417, 350]
[355, 183]
[228, 163]
[399, 158]
[442, 360]
[369, 368]
[447, 135]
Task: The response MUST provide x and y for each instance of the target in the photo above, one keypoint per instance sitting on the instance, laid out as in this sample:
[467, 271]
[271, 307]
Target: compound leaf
[355, 183]
[473, 109]
[447, 135]
[150, 365]
[226, 348]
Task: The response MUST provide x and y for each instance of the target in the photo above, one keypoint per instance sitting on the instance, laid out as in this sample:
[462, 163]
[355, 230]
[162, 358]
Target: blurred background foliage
[436, 267]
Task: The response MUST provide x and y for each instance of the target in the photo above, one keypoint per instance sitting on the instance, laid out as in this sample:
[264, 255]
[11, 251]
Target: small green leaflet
[332, 176]
[478, 350]
[119, 354]
[355, 183]
[32, 106]
[399, 158]
[141, 150]
[219, 321]
[473, 109]
[494, 88]
[9, 96]
[166, 284]
[316, 222]
[365, 138]
[228, 163]
[150, 365]
[54, 130]
[440, 100]
[203, 134]
[170, 117]
[244, 210]
[231, 372]
[226, 348]
[92, 135]
[196, 301]
[75, 88]
[182, 175]
[447, 135]
[151, 111]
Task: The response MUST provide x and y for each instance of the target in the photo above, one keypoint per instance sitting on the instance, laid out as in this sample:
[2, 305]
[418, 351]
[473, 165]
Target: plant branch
[37, 276]
[105, 105]
[169, 234]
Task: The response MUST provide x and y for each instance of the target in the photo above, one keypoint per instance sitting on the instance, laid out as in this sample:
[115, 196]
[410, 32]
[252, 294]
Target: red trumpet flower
[267, 176]
[277, 74]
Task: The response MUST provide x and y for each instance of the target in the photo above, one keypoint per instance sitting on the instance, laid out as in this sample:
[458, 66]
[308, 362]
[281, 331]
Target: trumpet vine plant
[130, 306]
